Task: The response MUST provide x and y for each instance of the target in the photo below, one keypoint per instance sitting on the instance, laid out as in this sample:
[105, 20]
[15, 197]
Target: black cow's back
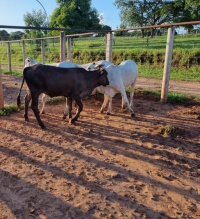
[55, 81]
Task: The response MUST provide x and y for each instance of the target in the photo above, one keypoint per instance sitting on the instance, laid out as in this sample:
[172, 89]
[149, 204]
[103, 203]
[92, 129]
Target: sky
[12, 12]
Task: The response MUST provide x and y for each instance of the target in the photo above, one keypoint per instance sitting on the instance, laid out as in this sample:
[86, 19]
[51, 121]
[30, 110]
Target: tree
[17, 35]
[4, 35]
[75, 14]
[121, 33]
[144, 12]
[189, 11]
[35, 19]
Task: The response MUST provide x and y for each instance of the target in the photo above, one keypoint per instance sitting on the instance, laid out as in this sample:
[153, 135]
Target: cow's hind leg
[34, 107]
[66, 111]
[79, 109]
[123, 93]
[26, 104]
[69, 107]
[132, 93]
[44, 99]
[123, 104]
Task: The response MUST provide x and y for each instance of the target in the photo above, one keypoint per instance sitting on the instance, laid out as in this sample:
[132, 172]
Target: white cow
[120, 77]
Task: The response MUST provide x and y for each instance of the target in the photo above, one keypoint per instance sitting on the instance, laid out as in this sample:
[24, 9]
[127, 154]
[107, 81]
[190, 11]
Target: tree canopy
[151, 12]
[75, 14]
[4, 35]
[17, 35]
[35, 19]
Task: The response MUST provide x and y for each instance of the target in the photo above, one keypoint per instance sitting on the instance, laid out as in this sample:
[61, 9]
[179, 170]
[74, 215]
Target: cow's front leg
[26, 104]
[34, 107]
[79, 109]
[109, 106]
[106, 99]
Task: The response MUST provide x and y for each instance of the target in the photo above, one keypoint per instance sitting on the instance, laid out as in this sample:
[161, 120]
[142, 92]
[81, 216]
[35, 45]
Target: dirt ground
[103, 166]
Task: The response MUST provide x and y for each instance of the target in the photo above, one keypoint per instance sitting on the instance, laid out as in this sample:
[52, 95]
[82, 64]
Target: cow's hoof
[27, 119]
[132, 115]
[72, 121]
[108, 113]
[42, 112]
[43, 126]
[64, 117]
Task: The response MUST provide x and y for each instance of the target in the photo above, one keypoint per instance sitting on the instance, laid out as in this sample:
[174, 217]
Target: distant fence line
[64, 41]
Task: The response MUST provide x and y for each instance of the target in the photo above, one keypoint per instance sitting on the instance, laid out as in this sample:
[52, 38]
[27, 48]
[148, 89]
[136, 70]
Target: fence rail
[102, 31]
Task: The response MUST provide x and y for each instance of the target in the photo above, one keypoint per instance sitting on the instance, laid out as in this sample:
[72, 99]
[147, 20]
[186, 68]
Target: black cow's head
[103, 79]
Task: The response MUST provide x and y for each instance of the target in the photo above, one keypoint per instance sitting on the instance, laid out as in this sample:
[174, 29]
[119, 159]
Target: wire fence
[145, 51]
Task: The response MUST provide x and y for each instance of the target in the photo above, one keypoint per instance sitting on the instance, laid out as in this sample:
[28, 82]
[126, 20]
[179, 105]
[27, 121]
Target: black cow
[73, 83]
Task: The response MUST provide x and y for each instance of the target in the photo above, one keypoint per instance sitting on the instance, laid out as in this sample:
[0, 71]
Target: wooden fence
[109, 41]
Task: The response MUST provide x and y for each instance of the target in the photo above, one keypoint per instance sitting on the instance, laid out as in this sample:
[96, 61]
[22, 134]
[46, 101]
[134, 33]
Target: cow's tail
[18, 96]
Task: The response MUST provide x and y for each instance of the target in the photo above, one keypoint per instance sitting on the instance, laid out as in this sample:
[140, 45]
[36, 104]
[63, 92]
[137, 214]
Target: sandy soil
[103, 166]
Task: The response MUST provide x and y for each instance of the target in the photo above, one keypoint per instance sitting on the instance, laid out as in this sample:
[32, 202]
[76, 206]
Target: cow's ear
[102, 71]
[99, 67]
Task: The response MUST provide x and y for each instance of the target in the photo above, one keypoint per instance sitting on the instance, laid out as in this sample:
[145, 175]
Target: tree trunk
[142, 32]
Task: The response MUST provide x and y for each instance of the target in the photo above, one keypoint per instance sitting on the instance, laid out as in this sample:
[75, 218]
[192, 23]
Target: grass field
[149, 53]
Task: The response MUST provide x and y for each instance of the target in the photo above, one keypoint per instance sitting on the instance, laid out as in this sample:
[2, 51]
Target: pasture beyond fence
[87, 46]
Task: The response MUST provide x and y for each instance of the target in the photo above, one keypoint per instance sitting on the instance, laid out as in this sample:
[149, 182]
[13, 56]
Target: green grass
[184, 73]
[149, 55]
[128, 47]
[56, 100]
[7, 110]
[14, 72]
[168, 130]
[151, 71]
[173, 97]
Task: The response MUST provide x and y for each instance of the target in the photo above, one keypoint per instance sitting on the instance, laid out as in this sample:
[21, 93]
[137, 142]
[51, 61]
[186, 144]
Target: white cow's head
[29, 62]
[98, 65]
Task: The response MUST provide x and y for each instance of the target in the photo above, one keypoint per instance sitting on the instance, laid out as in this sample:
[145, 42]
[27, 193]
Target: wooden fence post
[167, 65]
[43, 51]
[1, 91]
[109, 41]
[62, 46]
[24, 51]
[69, 48]
[9, 58]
